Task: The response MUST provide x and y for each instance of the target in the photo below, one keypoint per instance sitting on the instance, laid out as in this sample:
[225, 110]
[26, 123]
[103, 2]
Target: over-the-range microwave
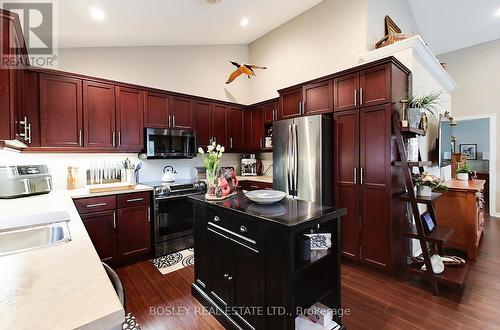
[169, 143]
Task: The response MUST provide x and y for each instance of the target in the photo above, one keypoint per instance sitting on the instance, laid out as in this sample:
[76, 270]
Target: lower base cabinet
[119, 226]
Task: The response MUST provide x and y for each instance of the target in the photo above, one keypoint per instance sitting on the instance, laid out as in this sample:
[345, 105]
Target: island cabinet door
[218, 254]
[246, 284]
[134, 231]
[101, 227]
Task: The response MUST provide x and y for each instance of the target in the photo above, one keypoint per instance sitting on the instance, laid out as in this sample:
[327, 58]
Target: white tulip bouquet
[211, 160]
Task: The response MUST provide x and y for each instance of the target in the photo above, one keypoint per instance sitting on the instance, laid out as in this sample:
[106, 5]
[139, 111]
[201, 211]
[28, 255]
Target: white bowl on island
[265, 196]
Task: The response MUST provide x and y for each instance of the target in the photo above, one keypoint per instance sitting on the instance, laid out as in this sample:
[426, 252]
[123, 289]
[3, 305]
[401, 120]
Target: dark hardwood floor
[375, 301]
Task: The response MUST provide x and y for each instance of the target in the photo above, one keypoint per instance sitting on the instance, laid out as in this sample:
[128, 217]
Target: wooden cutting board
[110, 187]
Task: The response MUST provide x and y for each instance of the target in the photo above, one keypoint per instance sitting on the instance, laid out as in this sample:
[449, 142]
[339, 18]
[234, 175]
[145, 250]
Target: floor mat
[174, 261]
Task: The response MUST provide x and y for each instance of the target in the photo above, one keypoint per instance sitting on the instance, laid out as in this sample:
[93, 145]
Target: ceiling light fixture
[97, 13]
[497, 13]
[244, 21]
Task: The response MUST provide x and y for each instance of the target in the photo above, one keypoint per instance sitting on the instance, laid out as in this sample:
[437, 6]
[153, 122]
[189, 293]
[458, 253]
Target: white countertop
[256, 178]
[84, 192]
[56, 287]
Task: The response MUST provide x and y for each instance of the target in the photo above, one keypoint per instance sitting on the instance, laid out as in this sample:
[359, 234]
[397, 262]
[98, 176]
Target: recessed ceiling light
[97, 13]
[497, 13]
[244, 21]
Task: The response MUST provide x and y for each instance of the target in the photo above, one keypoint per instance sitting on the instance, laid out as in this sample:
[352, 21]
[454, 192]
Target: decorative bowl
[265, 196]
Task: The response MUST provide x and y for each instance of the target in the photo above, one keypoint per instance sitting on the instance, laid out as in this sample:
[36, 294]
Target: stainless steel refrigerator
[302, 158]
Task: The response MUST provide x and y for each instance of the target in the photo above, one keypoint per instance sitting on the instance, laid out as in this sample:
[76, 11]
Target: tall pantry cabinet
[365, 182]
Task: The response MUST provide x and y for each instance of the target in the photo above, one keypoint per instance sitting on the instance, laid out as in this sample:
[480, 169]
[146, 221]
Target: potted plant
[211, 160]
[425, 103]
[463, 172]
[426, 183]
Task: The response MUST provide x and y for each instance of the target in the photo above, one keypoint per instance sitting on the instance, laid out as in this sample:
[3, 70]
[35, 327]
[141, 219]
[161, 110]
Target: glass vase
[212, 177]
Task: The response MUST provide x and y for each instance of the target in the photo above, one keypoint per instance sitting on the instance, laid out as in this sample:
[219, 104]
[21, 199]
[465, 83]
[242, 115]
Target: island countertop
[288, 212]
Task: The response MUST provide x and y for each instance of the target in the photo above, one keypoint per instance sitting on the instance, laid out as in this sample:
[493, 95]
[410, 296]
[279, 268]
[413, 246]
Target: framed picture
[469, 150]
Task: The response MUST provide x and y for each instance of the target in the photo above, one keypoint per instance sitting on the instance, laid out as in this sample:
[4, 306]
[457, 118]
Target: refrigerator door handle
[296, 159]
[288, 158]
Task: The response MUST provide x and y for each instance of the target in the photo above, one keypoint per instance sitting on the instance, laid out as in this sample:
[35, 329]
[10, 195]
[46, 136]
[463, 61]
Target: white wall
[325, 39]
[475, 69]
[196, 70]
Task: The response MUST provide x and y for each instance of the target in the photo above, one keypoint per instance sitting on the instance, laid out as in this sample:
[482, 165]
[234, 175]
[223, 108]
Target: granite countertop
[288, 212]
[56, 287]
[256, 178]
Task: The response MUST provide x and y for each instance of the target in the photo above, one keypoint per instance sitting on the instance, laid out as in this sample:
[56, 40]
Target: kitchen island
[251, 268]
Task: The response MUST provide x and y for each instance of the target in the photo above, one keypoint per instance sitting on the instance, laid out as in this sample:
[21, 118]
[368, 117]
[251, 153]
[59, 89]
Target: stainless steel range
[173, 215]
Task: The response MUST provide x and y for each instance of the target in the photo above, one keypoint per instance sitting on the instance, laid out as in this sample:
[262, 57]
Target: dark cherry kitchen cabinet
[270, 112]
[101, 227]
[368, 87]
[219, 124]
[182, 113]
[318, 98]
[257, 128]
[346, 168]
[13, 125]
[129, 118]
[99, 124]
[364, 178]
[202, 123]
[235, 129]
[156, 110]
[247, 128]
[61, 114]
[134, 231]
[220, 265]
[290, 103]
[345, 92]
[30, 111]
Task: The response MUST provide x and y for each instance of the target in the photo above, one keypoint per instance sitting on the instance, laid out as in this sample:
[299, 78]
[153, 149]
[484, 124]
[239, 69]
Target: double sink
[43, 231]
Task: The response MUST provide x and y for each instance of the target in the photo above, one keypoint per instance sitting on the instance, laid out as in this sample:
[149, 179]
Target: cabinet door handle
[216, 219]
[355, 170]
[149, 214]
[355, 97]
[114, 138]
[361, 96]
[173, 120]
[226, 276]
[119, 138]
[243, 229]
[29, 132]
[300, 107]
[231, 143]
[80, 138]
[362, 170]
[114, 220]
[169, 121]
[230, 278]
[96, 205]
[135, 200]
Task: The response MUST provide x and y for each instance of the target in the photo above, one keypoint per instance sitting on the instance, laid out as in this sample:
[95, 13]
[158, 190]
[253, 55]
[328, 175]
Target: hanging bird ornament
[246, 69]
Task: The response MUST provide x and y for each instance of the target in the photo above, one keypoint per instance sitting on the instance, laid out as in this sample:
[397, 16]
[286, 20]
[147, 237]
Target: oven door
[169, 143]
[173, 219]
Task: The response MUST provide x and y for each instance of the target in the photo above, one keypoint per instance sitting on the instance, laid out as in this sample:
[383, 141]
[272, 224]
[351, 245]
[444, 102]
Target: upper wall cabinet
[181, 113]
[61, 115]
[290, 103]
[13, 125]
[271, 112]
[219, 124]
[129, 118]
[235, 128]
[156, 110]
[99, 115]
[202, 123]
[368, 87]
[317, 98]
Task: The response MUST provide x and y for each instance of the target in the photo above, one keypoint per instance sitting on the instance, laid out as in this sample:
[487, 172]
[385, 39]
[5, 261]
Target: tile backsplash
[151, 169]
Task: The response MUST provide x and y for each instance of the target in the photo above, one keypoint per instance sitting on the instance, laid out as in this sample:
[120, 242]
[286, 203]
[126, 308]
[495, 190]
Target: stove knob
[196, 185]
[158, 191]
[165, 190]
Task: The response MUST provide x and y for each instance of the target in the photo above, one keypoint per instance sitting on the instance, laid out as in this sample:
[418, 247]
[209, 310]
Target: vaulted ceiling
[107, 23]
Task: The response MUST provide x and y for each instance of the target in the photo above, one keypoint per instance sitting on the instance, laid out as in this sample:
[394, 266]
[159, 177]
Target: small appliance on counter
[24, 180]
[249, 165]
